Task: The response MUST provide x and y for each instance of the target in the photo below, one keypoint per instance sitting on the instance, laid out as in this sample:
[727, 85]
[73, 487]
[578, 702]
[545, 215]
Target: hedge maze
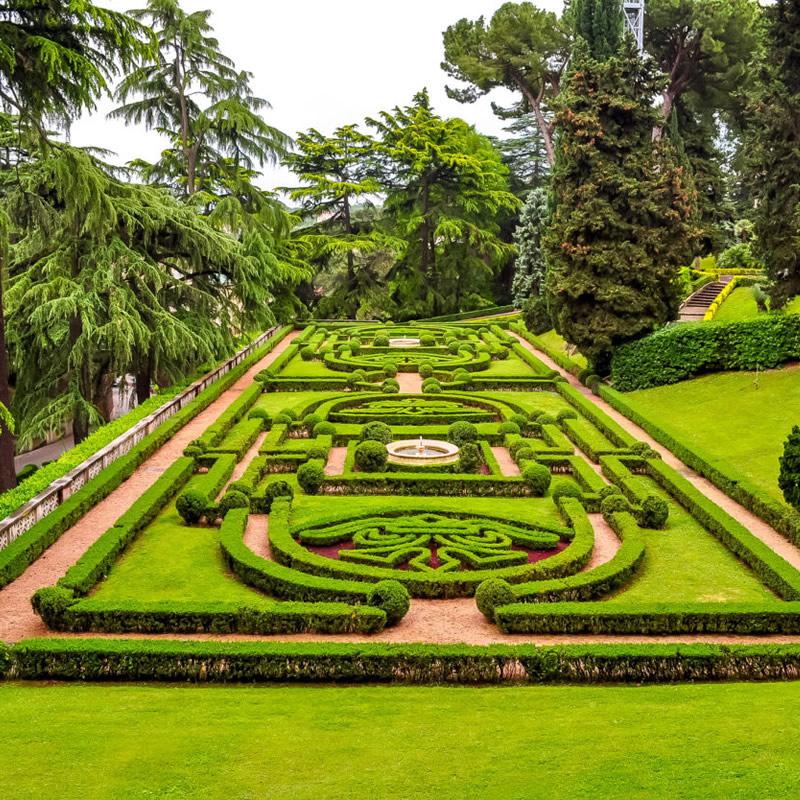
[286, 515]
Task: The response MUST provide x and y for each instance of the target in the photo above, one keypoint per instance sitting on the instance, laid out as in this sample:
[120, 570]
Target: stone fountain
[422, 452]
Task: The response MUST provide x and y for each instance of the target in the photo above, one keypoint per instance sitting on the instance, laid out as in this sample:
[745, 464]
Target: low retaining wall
[51, 498]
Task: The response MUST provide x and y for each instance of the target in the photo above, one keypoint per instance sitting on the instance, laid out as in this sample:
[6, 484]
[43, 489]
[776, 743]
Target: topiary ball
[566, 413]
[310, 421]
[608, 491]
[461, 433]
[380, 340]
[289, 412]
[311, 476]
[390, 388]
[260, 413]
[390, 369]
[282, 419]
[277, 489]
[524, 454]
[508, 427]
[520, 420]
[232, 499]
[191, 505]
[546, 419]
[469, 458]
[241, 486]
[454, 347]
[426, 369]
[190, 452]
[613, 504]
[375, 432]
[432, 388]
[644, 450]
[654, 513]
[493, 593]
[537, 478]
[392, 597]
[371, 456]
[426, 340]
[324, 428]
[566, 489]
[307, 353]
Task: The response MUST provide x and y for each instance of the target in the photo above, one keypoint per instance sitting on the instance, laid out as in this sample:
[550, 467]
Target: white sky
[321, 64]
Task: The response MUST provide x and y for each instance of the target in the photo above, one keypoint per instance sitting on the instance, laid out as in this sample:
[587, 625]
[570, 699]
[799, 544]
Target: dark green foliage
[310, 421]
[530, 268]
[289, 412]
[461, 433]
[380, 340]
[427, 340]
[537, 478]
[324, 428]
[599, 23]
[608, 491]
[654, 512]
[789, 476]
[683, 351]
[191, 505]
[390, 370]
[492, 593]
[311, 476]
[260, 413]
[614, 504]
[469, 457]
[508, 427]
[371, 456]
[274, 490]
[377, 432]
[566, 489]
[536, 315]
[519, 420]
[389, 388]
[307, 353]
[392, 597]
[566, 413]
[425, 369]
[454, 347]
[613, 262]
[282, 419]
[233, 499]
[434, 387]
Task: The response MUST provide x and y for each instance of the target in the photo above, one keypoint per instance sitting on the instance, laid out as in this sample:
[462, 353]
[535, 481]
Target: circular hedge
[493, 593]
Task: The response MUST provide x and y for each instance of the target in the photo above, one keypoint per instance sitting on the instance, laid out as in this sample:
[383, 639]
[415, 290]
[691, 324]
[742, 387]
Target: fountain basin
[410, 342]
[422, 452]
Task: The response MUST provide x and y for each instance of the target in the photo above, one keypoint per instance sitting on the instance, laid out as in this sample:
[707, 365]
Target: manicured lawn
[550, 402]
[297, 368]
[731, 417]
[512, 367]
[410, 743]
[556, 342]
[684, 562]
[739, 305]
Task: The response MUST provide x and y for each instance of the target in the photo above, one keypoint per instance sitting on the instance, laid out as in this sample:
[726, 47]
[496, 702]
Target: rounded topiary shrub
[493, 593]
[307, 353]
[546, 419]
[289, 412]
[613, 504]
[390, 388]
[318, 451]
[371, 456]
[324, 428]
[566, 489]
[789, 475]
[354, 378]
[260, 413]
[426, 340]
[241, 486]
[200, 444]
[277, 489]
[461, 375]
[524, 454]
[282, 419]
[517, 445]
[191, 505]
[190, 452]
[425, 369]
[608, 491]
[390, 369]
[566, 413]
[375, 432]
[469, 458]
[507, 427]
[454, 347]
[461, 433]
[310, 421]
[310, 476]
[392, 597]
[380, 340]
[232, 499]
[519, 419]
[434, 387]
[537, 478]
[643, 450]
[654, 513]
[501, 354]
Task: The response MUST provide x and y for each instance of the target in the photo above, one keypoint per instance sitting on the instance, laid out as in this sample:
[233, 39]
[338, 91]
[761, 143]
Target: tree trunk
[144, 377]
[8, 473]
[351, 261]
[544, 127]
[80, 419]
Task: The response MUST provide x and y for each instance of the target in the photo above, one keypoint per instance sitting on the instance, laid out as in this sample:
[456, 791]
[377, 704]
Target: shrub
[201, 444]
[324, 428]
[278, 489]
[390, 388]
[789, 476]
[608, 491]
[380, 340]
[282, 419]
[433, 388]
[461, 375]
[391, 382]
[461, 433]
[371, 456]
[191, 452]
[289, 412]
[390, 369]
[311, 476]
[546, 419]
[307, 353]
[260, 413]
[392, 597]
[493, 593]
[501, 354]
[354, 378]
[654, 513]
[425, 369]
[566, 413]
[567, 489]
[355, 346]
[537, 478]
[427, 340]
[470, 457]
[644, 450]
[310, 421]
[454, 347]
[520, 420]
[241, 486]
[191, 505]
[318, 451]
[536, 315]
[232, 499]
[613, 504]
[376, 432]
[507, 427]
[524, 454]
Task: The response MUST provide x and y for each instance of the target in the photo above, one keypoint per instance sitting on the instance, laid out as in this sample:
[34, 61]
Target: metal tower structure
[634, 19]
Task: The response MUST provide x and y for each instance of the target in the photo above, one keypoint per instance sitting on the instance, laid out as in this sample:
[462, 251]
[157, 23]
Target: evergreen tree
[530, 267]
[445, 187]
[599, 23]
[525, 155]
[623, 211]
[773, 153]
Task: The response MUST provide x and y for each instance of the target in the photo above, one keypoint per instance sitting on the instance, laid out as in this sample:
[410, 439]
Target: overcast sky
[321, 64]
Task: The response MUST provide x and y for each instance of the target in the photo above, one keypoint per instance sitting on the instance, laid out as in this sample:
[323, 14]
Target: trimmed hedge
[682, 351]
[332, 662]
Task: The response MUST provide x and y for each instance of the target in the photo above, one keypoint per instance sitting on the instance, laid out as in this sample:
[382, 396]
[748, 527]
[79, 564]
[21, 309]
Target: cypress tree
[773, 153]
[624, 218]
[599, 23]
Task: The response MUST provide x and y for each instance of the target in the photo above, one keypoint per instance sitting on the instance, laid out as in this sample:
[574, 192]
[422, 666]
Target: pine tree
[599, 23]
[623, 211]
[773, 153]
[530, 267]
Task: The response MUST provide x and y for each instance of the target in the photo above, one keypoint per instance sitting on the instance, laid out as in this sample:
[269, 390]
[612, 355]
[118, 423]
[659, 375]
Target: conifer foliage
[624, 212]
[599, 23]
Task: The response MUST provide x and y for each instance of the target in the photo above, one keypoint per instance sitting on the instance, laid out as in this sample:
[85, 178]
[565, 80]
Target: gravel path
[256, 535]
[17, 620]
[410, 382]
[606, 542]
[336, 459]
[508, 466]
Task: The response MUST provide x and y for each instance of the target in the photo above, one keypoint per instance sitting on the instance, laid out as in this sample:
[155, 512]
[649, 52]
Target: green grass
[684, 562]
[732, 418]
[555, 342]
[297, 368]
[738, 305]
[734, 741]
[550, 402]
[512, 367]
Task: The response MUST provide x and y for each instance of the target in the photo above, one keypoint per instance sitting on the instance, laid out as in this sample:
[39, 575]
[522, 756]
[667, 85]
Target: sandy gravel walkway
[410, 382]
[336, 459]
[606, 542]
[17, 620]
[508, 467]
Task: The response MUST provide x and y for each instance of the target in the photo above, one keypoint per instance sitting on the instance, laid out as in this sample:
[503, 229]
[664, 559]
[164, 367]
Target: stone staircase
[695, 307]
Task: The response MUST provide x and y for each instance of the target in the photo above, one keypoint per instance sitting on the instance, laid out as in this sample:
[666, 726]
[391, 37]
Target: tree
[771, 148]
[703, 46]
[523, 49]
[623, 210]
[525, 156]
[530, 268]
[789, 476]
[445, 186]
[56, 58]
[103, 273]
[599, 23]
[336, 174]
